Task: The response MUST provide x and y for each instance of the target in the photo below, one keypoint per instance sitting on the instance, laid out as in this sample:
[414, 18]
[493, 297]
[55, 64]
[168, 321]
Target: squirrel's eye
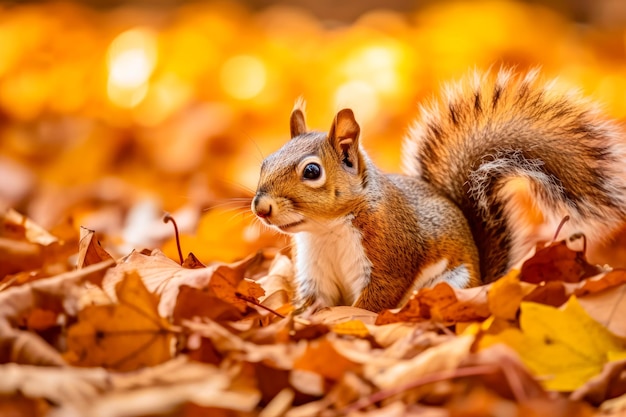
[312, 171]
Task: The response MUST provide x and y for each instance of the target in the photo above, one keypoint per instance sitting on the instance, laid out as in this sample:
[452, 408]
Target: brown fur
[406, 226]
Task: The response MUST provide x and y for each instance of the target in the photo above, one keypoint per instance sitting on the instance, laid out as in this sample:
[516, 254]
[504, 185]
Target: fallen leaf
[29, 251]
[202, 303]
[610, 383]
[552, 293]
[556, 262]
[481, 402]
[505, 295]
[90, 251]
[387, 335]
[279, 404]
[16, 256]
[150, 391]
[163, 276]
[608, 307]
[16, 226]
[441, 303]
[443, 357]
[191, 262]
[125, 336]
[340, 314]
[614, 406]
[279, 278]
[323, 359]
[60, 385]
[513, 380]
[20, 406]
[57, 294]
[351, 328]
[278, 355]
[563, 347]
[602, 282]
[40, 319]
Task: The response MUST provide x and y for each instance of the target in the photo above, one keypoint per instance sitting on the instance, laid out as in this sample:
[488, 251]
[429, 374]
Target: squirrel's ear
[344, 137]
[297, 124]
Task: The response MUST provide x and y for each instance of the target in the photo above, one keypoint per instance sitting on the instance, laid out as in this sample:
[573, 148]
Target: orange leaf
[191, 262]
[557, 262]
[124, 336]
[250, 289]
[506, 294]
[351, 328]
[90, 251]
[551, 293]
[164, 276]
[323, 359]
[441, 303]
[609, 280]
[40, 319]
[195, 302]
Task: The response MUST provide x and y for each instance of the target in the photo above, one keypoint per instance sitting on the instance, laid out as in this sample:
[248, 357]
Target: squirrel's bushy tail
[503, 145]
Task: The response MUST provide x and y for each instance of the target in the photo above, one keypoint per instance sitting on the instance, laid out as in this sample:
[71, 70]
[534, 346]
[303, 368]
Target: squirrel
[490, 169]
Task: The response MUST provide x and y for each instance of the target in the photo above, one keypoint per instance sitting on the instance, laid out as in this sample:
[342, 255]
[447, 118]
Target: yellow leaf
[124, 336]
[506, 294]
[351, 328]
[564, 347]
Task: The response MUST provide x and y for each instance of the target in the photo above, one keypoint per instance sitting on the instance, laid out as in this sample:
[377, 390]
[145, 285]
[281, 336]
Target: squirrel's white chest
[331, 265]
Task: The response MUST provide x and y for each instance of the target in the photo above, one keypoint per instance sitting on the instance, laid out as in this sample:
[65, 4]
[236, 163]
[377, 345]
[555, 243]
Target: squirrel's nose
[262, 206]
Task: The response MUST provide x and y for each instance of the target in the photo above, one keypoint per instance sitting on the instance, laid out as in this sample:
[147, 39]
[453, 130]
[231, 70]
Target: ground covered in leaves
[146, 335]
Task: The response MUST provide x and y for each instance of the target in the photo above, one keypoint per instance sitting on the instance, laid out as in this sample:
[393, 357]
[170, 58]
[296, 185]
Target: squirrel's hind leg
[458, 274]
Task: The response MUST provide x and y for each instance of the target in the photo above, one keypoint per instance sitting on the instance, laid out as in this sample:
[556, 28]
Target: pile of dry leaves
[83, 334]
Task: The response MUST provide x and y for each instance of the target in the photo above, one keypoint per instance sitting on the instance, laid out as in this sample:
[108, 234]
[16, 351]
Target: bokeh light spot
[132, 58]
[243, 77]
[360, 97]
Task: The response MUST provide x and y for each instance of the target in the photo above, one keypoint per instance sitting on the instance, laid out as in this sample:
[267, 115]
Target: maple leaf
[123, 336]
[556, 262]
[563, 347]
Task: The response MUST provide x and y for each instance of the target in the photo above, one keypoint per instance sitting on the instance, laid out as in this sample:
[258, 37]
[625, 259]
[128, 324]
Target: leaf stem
[256, 303]
[168, 218]
[558, 229]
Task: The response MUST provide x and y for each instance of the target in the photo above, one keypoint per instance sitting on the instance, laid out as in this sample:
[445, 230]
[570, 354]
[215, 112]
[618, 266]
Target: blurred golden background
[112, 113]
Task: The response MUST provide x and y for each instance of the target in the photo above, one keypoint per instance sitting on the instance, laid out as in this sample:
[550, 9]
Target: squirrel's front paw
[307, 305]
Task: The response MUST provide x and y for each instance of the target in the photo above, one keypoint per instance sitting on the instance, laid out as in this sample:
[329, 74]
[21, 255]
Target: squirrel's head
[314, 178]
